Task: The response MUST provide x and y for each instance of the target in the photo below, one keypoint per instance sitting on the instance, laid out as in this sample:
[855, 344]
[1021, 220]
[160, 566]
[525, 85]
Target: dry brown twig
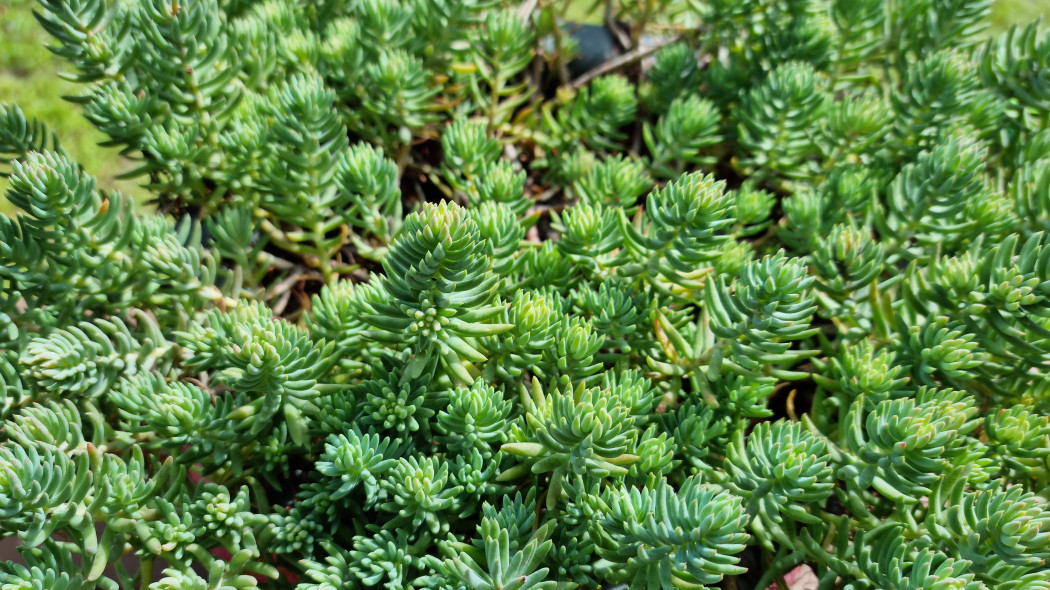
[622, 60]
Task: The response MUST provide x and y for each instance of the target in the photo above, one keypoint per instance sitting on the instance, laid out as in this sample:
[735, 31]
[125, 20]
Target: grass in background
[29, 78]
[1006, 13]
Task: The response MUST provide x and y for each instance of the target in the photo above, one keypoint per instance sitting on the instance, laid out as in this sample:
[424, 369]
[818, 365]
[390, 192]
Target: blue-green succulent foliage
[417, 309]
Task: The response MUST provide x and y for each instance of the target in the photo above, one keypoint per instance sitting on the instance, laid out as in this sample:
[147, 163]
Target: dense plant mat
[446, 294]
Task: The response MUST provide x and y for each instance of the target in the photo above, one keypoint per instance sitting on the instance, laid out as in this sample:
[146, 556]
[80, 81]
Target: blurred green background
[1009, 12]
[29, 77]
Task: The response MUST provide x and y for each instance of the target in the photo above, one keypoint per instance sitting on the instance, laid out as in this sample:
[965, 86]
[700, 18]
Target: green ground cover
[29, 77]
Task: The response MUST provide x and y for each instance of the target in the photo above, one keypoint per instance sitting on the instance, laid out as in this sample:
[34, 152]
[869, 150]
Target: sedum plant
[421, 302]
